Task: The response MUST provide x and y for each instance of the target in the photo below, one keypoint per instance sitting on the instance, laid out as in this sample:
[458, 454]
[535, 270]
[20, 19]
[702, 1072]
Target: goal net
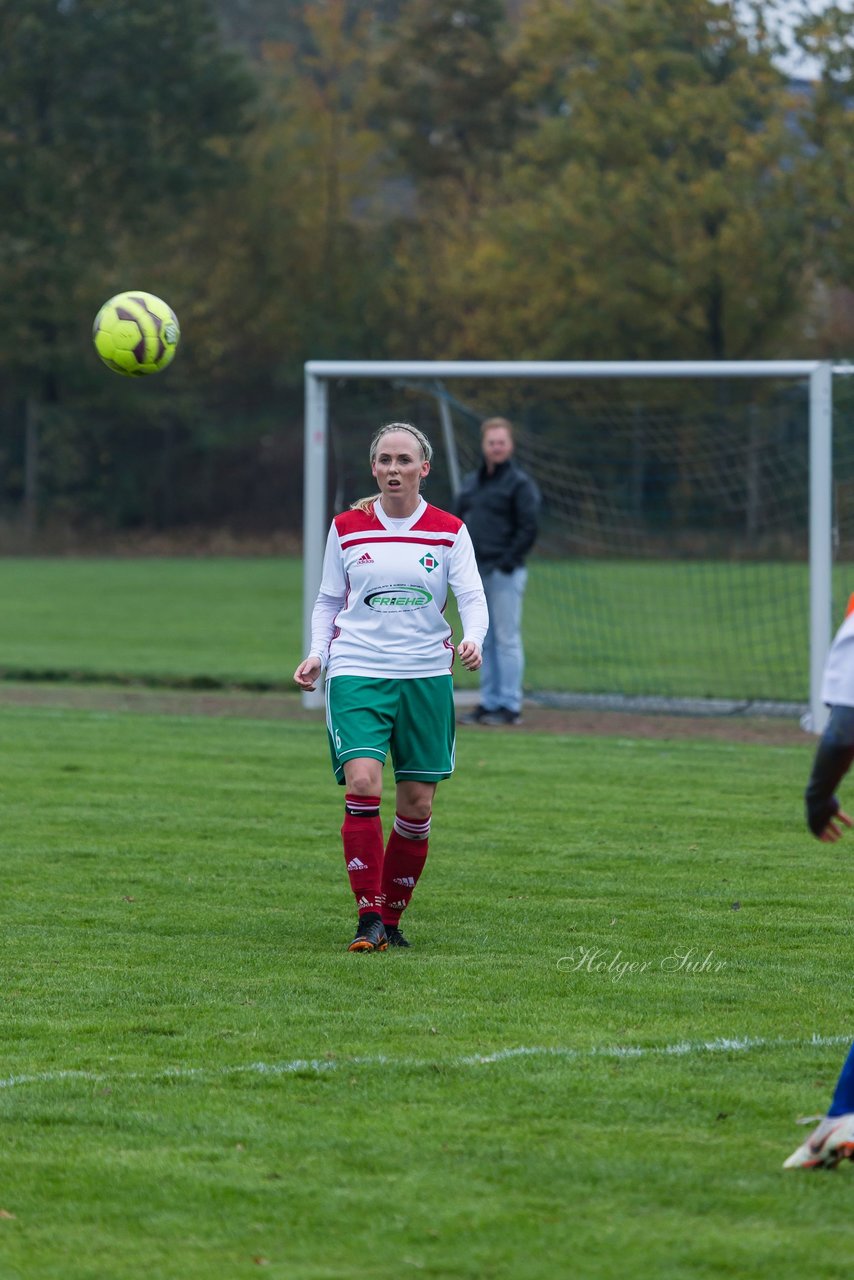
[684, 557]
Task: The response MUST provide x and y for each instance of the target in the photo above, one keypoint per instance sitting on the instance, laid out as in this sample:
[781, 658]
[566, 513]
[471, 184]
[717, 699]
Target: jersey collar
[386, 520]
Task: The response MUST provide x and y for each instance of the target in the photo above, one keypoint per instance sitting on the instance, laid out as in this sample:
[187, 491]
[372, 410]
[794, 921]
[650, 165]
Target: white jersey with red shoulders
[380, 608]
[837, 687]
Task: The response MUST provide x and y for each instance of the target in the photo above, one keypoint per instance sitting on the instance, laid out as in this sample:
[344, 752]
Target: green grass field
[695, 629]
[630, 976]
[198, 1079]
[162, 620]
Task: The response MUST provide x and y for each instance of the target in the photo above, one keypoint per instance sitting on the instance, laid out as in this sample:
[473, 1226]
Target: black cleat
[370, 935]
[395, 937]
[477, 715]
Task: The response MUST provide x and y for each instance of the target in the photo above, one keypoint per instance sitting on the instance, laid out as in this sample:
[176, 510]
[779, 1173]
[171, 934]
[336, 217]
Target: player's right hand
[307, 672]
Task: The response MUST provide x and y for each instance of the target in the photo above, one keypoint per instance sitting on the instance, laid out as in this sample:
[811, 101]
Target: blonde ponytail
[365, 504]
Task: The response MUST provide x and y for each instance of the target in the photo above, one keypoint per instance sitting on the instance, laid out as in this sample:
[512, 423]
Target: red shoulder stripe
[355, 521]
[435, 520]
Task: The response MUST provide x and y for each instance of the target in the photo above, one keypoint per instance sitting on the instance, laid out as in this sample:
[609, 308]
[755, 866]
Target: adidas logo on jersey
[356, 864]
[365, 559]
[407, 882]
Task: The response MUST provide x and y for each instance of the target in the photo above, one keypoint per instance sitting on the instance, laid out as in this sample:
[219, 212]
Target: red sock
[362, 834]
[404, 862]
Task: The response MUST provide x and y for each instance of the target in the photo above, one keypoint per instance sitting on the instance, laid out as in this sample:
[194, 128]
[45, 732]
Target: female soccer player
[833, 1140]
[378, 628]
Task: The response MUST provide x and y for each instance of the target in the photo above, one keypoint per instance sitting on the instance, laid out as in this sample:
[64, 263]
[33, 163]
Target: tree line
[455, 179]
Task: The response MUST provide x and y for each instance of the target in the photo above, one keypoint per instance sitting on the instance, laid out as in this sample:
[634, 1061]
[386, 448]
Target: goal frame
[819, 373]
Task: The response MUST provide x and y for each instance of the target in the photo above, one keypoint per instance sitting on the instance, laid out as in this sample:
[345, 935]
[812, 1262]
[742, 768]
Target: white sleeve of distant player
[330, 599]
[464, 581]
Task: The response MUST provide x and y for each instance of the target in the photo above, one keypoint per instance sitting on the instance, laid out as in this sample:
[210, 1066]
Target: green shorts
[412, 718]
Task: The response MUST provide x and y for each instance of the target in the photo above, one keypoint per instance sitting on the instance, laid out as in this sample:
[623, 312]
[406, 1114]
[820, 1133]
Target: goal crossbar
[818, 373]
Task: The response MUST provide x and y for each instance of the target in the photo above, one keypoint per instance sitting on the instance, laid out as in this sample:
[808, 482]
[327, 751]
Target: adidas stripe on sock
[405, 855]
[362, 834]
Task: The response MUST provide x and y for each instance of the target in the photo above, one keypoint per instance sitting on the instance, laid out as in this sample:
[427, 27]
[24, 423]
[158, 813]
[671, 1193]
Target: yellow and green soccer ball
[136, 333]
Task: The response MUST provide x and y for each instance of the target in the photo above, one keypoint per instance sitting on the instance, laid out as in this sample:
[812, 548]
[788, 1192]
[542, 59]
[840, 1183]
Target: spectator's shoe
[475, 716]
[502, 716]
[831, 1142]
[370, 935]
[395, 937]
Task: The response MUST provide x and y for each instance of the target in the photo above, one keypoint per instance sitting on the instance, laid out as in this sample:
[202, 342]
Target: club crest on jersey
[429, 562]
[398, 597]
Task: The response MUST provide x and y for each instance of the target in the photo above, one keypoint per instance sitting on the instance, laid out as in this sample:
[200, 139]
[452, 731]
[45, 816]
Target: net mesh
[672, 563]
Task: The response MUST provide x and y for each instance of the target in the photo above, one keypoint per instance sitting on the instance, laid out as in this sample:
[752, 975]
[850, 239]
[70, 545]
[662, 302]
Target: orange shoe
[370, 935]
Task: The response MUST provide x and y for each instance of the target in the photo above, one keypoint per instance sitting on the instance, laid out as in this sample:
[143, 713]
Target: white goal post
[819, 374]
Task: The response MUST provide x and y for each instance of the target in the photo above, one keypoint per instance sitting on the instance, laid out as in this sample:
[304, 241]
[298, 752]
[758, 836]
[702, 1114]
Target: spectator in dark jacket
[499, 503]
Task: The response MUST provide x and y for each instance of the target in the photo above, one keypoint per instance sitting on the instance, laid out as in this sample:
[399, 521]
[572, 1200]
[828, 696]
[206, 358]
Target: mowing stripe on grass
[682, 1048]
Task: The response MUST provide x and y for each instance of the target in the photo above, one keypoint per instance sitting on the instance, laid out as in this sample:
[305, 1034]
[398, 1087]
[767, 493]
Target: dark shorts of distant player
[414, 719]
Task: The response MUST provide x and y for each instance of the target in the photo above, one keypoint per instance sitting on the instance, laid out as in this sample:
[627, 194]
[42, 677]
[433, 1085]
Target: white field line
[303, 1066]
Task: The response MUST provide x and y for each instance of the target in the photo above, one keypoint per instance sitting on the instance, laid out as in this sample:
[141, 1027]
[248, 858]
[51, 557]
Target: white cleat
[831, 1142]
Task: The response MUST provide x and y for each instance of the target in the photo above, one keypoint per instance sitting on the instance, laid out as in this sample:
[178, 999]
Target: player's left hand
[470, 654]
[832, 832]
